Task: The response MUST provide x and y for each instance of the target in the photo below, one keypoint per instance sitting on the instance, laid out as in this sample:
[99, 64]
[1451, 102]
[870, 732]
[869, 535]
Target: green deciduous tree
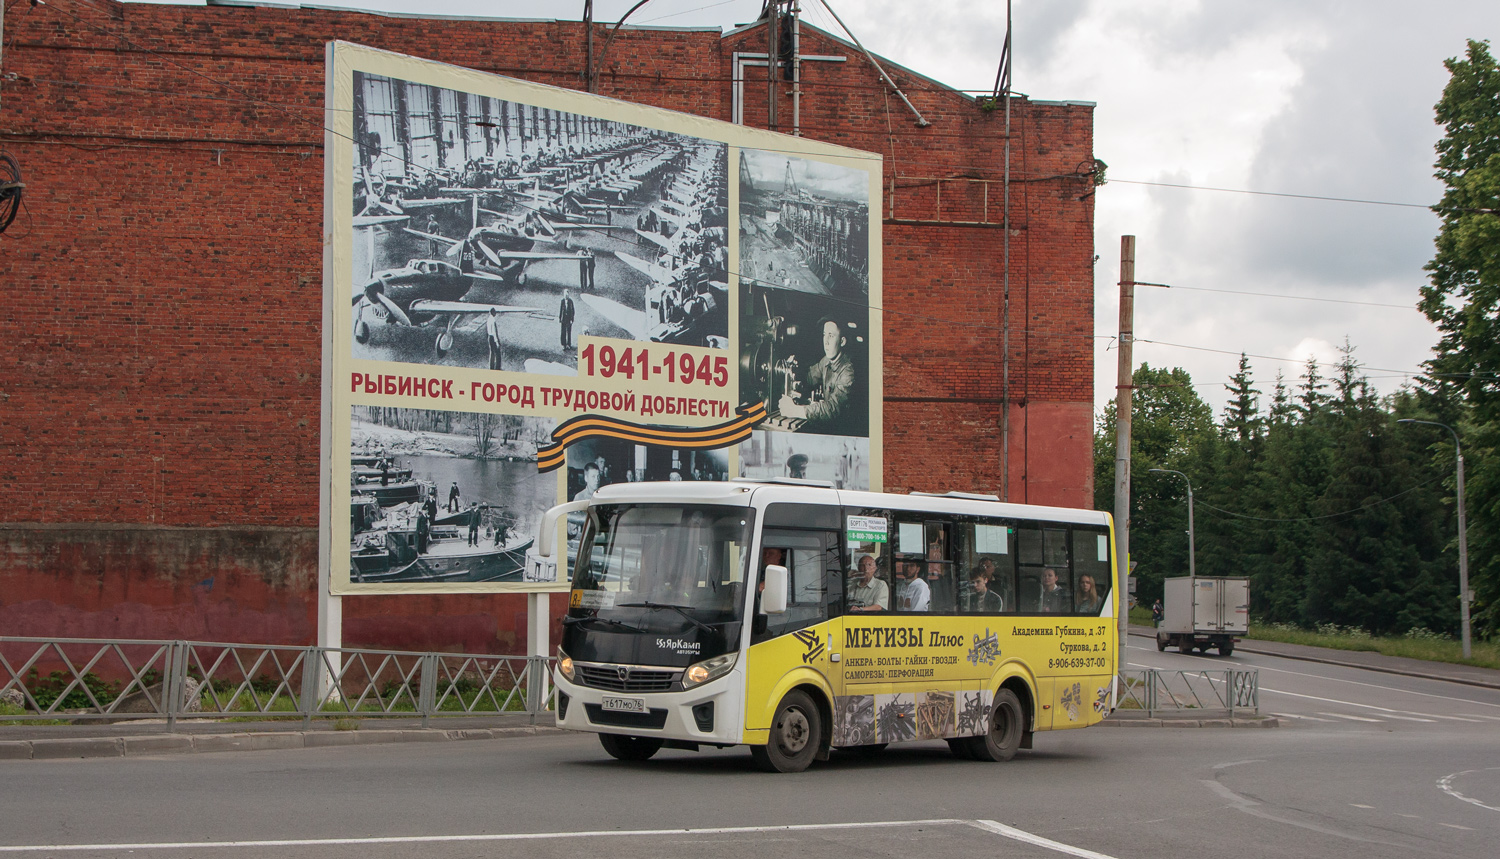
[1170, 427]
[1463, 301]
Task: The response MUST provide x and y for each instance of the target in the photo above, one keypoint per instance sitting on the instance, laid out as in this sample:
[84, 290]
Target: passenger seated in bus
[1054, 598]
[980, 599]
[866, 592]
[913, 593]
[1088, 600]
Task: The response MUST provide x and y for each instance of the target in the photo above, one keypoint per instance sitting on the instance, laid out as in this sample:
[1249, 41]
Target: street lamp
[1192, 555]
[1463, 538]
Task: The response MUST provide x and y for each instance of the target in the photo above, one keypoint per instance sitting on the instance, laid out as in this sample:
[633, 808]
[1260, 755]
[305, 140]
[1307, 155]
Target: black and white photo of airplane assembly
[493, 234]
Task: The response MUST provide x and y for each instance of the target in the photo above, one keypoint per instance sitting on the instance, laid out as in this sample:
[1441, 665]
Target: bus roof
[742, 493]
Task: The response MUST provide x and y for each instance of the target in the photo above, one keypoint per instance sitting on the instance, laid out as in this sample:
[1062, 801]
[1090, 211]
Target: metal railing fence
[1230, 691]
[127, 679]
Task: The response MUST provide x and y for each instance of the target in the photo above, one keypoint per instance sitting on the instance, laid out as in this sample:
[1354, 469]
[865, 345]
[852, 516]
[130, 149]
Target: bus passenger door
[806, 636]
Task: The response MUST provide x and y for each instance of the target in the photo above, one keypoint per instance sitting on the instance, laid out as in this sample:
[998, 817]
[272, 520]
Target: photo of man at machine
[806, 358]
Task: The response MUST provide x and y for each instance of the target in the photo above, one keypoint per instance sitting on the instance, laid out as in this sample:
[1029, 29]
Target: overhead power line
[1279, 295]
[1303, 361]
[1203, 503]
[1321, 197]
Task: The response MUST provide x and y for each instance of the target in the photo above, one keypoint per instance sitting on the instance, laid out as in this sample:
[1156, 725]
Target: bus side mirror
[773, 598]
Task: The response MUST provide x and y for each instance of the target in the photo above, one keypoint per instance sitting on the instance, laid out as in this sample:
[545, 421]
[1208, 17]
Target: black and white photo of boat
[477, 502]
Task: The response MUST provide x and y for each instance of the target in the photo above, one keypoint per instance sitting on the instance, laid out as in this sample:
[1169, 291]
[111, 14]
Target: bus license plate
[624, 705]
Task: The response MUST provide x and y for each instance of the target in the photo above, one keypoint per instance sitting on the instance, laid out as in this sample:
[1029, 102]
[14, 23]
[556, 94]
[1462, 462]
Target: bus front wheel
[629, 748]
[796, 736]
[1007, 722]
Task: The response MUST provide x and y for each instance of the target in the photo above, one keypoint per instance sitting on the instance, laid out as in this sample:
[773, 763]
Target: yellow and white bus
[796, 619]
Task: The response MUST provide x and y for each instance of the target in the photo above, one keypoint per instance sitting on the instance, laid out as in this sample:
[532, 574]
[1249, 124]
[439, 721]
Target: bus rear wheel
[1007, 723]
[629, 748]
[796, 736]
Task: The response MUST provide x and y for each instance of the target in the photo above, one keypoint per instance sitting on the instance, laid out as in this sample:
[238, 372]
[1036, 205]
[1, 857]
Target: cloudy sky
[1326, 98]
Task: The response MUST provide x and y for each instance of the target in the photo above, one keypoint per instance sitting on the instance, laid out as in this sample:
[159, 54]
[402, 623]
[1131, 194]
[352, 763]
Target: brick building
[164, 289]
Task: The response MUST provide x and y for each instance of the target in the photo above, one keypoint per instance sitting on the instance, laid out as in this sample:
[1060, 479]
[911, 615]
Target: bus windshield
[662, 568]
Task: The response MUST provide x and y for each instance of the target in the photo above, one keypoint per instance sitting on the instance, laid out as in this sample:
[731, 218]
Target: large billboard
[531, 293]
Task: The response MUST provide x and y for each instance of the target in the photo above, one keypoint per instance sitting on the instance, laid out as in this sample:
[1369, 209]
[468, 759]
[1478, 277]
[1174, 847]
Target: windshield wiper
[568, 621]
[680, 609]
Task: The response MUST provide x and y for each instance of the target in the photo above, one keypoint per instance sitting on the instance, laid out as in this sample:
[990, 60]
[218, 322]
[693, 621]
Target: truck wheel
[629, 748]
[1226, 648]
[1007, 723]
[796, 735]
[1161, 644]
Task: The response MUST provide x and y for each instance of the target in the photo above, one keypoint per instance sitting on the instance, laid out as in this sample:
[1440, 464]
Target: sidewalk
[1484, 677]
[150, 736]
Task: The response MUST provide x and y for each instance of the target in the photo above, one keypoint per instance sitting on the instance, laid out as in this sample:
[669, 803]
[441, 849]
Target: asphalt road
[1369, 765]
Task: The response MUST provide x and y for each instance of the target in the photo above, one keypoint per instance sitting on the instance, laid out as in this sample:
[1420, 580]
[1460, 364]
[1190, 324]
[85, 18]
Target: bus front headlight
[701, 672]
[564, 664]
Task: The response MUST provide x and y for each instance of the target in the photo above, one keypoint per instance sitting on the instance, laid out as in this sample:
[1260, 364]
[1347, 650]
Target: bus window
[1091, 570]
[910, 591]
[1029, 559]
[1045, 575]
[911, 539]
[1029, 544]
[983, 551]
[872, 536]
[940, 581]
[806, 556]
[1057, 596]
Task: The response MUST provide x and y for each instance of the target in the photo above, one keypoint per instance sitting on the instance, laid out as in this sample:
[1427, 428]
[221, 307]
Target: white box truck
[1200, 612]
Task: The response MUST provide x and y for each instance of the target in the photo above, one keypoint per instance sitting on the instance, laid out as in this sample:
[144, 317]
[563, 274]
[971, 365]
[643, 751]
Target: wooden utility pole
[1123, 390]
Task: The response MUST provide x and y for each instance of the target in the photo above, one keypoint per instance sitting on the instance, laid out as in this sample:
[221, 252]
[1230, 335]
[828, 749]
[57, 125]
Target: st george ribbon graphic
[733, 431]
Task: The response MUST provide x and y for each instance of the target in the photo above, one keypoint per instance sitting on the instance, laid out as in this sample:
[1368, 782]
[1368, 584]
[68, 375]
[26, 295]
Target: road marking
[1036, 840]
[1412, 816]
[1383, 688]
[1383, 710]
[1410, 718]
[1477, 716]
[1357, 805]
[1456, 826]
[986, 825]
[1254, 809]
[1237, 763]
[1296, 716]
[1446, 784]
[1346, 716]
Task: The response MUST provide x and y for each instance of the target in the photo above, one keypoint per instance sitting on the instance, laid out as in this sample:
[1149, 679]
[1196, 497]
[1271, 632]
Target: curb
[169, 744]
[1268, 722]
[1342, 663]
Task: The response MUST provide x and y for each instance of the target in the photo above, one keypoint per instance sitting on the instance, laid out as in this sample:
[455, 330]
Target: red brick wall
[161, 384]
